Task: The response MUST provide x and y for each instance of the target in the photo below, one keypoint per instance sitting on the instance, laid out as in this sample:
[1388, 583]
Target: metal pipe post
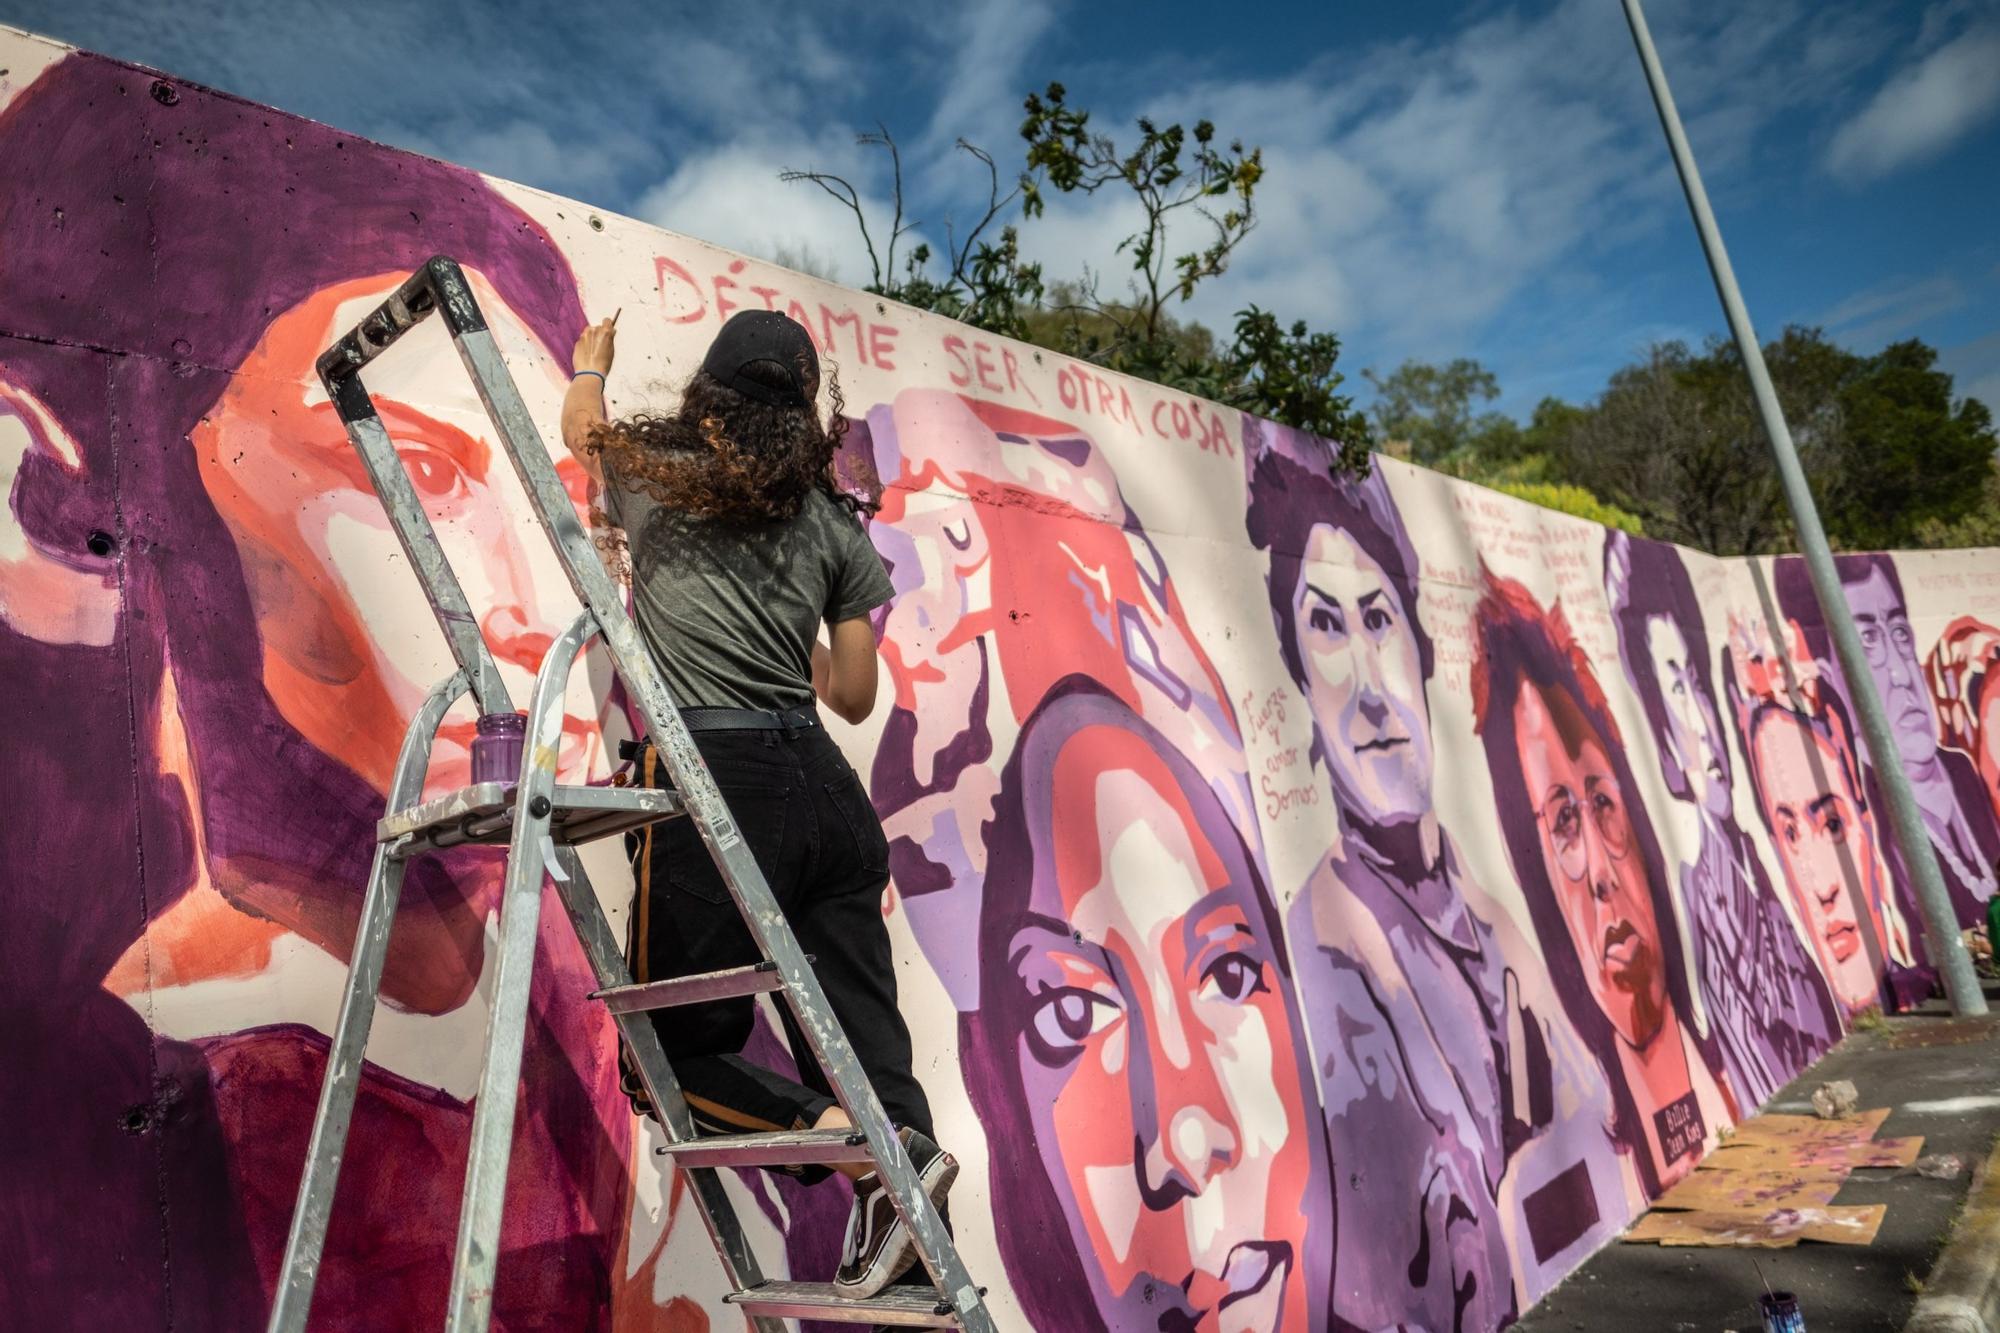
[1947, 950]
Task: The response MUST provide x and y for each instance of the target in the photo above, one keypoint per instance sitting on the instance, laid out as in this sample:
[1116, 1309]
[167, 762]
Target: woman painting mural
[1135, 1057]
[271, 644]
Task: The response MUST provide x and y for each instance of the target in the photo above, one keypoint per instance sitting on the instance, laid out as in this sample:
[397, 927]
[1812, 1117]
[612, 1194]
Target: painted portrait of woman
[1964, 674]
[1762, 997]
[234, 576]
[1806, 774]
[1006, 532]
[1136, 1056]
[1583, 847]
[1960, 821]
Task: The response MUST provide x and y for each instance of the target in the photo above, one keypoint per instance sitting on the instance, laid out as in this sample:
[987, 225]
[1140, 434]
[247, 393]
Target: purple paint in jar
[1781, 1312]
[496, 750]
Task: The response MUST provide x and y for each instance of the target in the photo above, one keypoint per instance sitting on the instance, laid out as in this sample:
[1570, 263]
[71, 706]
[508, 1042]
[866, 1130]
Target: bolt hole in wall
[1606, 878]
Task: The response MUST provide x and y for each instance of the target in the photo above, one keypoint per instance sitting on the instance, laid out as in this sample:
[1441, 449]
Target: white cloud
[1922, 110]
[983, 87]
[1418, 191]
[732, 197]
[1415, 189]
[1872, 317]
[526, 151]
[1497, 185]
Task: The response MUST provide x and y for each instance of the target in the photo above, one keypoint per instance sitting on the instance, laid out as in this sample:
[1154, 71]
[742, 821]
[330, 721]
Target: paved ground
[1949, 1093]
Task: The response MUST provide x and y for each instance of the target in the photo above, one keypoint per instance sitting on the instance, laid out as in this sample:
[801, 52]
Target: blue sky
[1480, 179]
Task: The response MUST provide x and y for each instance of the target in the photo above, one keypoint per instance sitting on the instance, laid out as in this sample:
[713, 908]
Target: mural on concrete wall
[1319, 904]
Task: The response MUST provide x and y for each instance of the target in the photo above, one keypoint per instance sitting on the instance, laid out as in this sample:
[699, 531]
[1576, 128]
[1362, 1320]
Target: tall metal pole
[1947, 950]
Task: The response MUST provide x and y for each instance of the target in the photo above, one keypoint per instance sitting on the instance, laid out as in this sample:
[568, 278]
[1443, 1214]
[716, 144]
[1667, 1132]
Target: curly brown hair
[724, 456]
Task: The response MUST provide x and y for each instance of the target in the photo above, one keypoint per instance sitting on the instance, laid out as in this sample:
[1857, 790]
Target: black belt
[802, 718]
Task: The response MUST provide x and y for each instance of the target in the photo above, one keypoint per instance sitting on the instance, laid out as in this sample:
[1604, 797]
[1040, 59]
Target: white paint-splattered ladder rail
[541, 821]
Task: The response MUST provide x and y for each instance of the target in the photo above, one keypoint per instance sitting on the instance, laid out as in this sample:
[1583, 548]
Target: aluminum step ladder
[540, 821]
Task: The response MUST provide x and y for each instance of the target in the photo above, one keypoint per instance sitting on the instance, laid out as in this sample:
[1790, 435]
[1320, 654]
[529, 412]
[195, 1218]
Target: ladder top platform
[483, 813]
[897, 1307]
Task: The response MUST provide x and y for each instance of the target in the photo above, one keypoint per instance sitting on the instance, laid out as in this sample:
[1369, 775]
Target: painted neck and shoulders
[1406, 869]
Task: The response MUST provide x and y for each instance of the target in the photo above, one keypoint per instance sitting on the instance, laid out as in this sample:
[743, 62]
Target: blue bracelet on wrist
[598, 373]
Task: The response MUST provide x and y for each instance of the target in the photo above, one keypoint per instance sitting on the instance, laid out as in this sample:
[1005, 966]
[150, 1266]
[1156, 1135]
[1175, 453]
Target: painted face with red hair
[1593, 863]
[1964, 672]
[1157, 1051]
[349, 643]
[1002, 522]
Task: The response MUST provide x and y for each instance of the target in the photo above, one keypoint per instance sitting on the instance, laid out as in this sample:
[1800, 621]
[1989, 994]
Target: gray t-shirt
[731, 613]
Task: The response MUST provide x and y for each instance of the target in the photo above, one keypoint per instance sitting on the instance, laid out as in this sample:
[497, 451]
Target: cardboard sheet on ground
[1841, 1157]
[1780, 1228]
[1773, 1184]
[1753, 1192]
[1803, 1129]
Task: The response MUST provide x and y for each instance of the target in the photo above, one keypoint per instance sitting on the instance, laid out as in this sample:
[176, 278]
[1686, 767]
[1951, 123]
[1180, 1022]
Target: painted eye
[1836, 827]
[1376, 619]
[1235, 977]
[1324, 620]
[1566, 821]
[434, 473]
[1610, 818]
[1065, 1018]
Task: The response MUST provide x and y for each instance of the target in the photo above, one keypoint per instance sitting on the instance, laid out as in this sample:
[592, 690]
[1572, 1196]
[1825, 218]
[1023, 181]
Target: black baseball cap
[778, 345]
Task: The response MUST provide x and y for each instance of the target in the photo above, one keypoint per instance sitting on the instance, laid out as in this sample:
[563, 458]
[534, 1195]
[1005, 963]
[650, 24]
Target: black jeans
[810, 825]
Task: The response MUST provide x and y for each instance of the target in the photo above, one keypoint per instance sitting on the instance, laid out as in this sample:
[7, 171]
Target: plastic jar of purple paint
[496, 750]
[1781, 1313]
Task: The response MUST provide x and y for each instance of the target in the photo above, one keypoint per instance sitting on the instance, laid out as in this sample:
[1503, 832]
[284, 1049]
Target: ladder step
[484, 813]
[791, 1147]
[898, 1307]
[694, 989]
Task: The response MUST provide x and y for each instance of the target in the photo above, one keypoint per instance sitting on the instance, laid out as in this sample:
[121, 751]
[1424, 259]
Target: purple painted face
[1892, 660]
[1693, 739]
[1364, 681]
[1159, 1056]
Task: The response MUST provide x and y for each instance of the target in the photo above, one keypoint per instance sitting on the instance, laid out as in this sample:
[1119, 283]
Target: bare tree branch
[841, 190]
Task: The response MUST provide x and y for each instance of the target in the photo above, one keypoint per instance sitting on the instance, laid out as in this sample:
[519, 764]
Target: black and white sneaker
[878, 1249]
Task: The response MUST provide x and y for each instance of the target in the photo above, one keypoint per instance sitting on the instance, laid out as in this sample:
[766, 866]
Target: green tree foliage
[1426, 413]
[1979, 527]
[1674, 445]
[1184, 181]
[1672, 441]
[1430, 408]
[1176, 176]
[1572, 500]
[1676, 439]
[1907, 455]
